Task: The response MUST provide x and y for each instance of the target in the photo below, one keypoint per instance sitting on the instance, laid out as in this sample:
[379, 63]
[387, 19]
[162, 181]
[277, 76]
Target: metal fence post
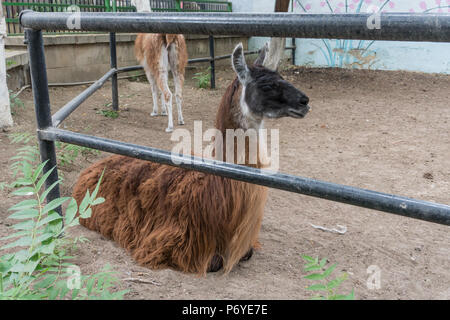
[39, 83]
[113, 63]
[212, 62]
[294, 49]
[113, 52]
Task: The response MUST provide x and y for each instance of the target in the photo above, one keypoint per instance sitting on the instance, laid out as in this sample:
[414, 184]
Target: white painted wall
[255, 6]
[382, 55]
[5, 110]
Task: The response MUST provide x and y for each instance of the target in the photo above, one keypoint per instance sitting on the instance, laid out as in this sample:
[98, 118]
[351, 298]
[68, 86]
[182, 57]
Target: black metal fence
[403, 27]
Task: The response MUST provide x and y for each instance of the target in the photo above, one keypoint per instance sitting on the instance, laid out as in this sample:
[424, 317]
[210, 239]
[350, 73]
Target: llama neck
[233, 113]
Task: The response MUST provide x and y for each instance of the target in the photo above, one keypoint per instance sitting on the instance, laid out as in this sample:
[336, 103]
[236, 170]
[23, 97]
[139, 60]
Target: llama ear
[262, 55]
[239, 64]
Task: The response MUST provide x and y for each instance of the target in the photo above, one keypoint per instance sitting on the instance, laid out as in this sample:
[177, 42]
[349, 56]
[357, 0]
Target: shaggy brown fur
[170, 217]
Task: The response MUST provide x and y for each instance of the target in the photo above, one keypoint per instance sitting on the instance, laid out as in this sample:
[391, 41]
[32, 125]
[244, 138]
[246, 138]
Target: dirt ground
[385, 131]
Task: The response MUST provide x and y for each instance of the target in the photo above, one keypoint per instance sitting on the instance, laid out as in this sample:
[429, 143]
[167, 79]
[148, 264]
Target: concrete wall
[85, 57]
[17, 69]
[383, 55]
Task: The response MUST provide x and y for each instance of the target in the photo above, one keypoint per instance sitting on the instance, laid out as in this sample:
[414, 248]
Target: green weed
[326, 289]
[203, 78]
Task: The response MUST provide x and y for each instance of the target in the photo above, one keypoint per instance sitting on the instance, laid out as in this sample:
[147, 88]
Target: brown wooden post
[282, 5]
[276, 45]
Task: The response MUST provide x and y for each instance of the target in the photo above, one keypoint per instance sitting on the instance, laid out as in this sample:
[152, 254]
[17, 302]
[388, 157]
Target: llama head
[265, 93]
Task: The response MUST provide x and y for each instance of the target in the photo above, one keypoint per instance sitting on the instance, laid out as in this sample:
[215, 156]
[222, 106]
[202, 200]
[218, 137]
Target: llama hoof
[169, 129]
[154, 114]
[164, 113]
[247, 256]
[216, 263]
[180, 122]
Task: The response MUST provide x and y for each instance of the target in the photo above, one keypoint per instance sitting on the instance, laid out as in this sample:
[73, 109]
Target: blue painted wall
[382, 55]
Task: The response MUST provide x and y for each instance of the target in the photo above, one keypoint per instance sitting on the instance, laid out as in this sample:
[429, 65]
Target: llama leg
[247, 256]
[178, 79]
[164, 87]
[153, 86]
[163, 104]
[216, 263]
[154, 93]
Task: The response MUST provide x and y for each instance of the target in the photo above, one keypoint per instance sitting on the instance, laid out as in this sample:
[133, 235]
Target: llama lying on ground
[159, 53]
[169, 217]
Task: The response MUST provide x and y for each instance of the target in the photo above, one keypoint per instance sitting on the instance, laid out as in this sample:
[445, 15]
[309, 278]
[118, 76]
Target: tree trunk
[276, 45]
[5, 109]
[282, 5]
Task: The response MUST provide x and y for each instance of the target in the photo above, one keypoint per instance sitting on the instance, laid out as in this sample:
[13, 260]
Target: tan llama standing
[158, 53]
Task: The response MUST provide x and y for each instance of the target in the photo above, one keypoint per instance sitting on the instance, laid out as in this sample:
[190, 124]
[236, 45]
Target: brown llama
[170, 217]
[158, 53]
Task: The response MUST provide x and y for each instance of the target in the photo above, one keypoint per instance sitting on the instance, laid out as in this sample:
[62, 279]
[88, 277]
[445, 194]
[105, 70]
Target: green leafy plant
[21, 137]
[38, 266]
[326, 289]
[15, 102]
[109, 113]
[65, 153]
[29, 152]
[10, 63]
[137, 76]
[203, 78]
[3, 186]
[68, 153]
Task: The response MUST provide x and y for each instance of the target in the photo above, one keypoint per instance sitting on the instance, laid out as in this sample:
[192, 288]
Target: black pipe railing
[39, 83]
[393, 26]
[73, 104]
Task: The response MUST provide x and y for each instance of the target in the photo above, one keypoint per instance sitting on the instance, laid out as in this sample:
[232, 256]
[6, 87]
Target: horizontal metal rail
[227, 56]
[71, 106]
[130, 68]
[196, 60]
[393, 26]
[403, 206]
